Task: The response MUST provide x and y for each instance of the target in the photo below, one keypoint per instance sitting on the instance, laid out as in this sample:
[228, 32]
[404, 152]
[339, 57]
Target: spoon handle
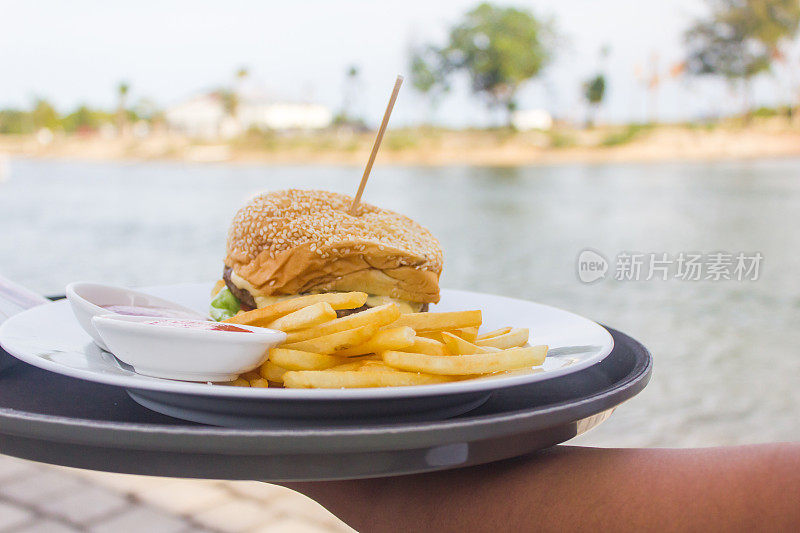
[14, 298]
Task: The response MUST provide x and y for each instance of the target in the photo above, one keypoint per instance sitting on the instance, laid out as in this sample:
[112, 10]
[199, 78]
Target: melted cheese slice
[404, 305]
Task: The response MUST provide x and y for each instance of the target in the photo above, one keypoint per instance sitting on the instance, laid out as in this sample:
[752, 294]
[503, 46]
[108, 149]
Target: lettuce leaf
[224, 305]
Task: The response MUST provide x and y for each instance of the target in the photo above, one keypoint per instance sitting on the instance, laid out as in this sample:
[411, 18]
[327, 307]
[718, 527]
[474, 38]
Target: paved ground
[37, 498]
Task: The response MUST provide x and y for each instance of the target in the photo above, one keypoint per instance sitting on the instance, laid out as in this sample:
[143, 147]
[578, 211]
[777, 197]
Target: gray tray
[54, 419]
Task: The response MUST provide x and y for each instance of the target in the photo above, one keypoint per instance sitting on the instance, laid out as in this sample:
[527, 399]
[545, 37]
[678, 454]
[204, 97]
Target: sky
[77, 52]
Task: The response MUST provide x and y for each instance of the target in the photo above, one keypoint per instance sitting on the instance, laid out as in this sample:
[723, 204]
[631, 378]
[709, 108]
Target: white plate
[49, 337]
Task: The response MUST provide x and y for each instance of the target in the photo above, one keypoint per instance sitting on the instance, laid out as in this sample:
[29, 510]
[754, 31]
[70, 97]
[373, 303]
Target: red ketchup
[192, 324]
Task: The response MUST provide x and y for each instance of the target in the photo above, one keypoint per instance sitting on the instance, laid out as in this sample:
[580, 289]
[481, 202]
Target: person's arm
[747, 488]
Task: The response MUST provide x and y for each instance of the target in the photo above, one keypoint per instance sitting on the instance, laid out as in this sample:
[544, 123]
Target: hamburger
[288, 243]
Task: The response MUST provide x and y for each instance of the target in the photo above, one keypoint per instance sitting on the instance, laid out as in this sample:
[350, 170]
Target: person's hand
[572, 488]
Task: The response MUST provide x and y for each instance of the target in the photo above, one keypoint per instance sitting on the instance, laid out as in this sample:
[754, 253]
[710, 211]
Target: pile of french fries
[381, 347]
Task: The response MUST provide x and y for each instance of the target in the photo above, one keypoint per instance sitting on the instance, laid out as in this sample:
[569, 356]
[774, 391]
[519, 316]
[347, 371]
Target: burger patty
[248, 303]
[246, 299]
[346, 312]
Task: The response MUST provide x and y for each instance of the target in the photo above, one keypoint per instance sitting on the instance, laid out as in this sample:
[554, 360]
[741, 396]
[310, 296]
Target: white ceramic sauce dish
[186, 350]
[89, 300]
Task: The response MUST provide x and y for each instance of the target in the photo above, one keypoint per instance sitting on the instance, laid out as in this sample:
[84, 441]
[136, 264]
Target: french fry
[371, 366]
[299, 360]
[381, 347]
[260, 383]
[306, 317]
[335, 342]
[514, 337]
[272, 372]
[495, 333]
[468, 334]
[270, 313]
[439, 321]
[333, 379]
[355, 363]
[350, 366]
[383, 340]
[217, 287]
[517, 372]
[458, 346]
[459, 365]
[509, 373]
[378, 316]
[251, 375]
[426, 346]
[432, 335]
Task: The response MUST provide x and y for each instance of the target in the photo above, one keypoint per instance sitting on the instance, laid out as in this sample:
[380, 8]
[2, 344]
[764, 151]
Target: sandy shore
[437, 147]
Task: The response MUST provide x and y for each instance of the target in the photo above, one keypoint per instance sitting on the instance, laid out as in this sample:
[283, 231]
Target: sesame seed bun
[296, 241]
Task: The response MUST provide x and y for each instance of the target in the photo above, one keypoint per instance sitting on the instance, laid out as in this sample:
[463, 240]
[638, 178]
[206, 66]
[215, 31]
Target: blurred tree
[82, 119]
[85, 119]
[231, 96]
[122, 96]
[44, 115]
[352, 84]
[242, 73]
[230, 101]
[15, 121]
[428, 77]
[594, 90]
[740, 39]
[500, 48]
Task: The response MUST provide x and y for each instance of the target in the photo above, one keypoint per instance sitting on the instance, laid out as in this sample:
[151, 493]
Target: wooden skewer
[377, 145]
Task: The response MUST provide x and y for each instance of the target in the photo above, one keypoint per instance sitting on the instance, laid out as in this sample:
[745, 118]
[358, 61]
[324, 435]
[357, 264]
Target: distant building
[284, 116]
[205, 116]
[531, 119]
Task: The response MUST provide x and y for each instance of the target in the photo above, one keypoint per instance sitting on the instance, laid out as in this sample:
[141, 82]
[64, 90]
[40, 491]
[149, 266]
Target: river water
[727, 352]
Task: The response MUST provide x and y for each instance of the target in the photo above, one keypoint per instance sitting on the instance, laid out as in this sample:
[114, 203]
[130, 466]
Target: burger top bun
[298, 241]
